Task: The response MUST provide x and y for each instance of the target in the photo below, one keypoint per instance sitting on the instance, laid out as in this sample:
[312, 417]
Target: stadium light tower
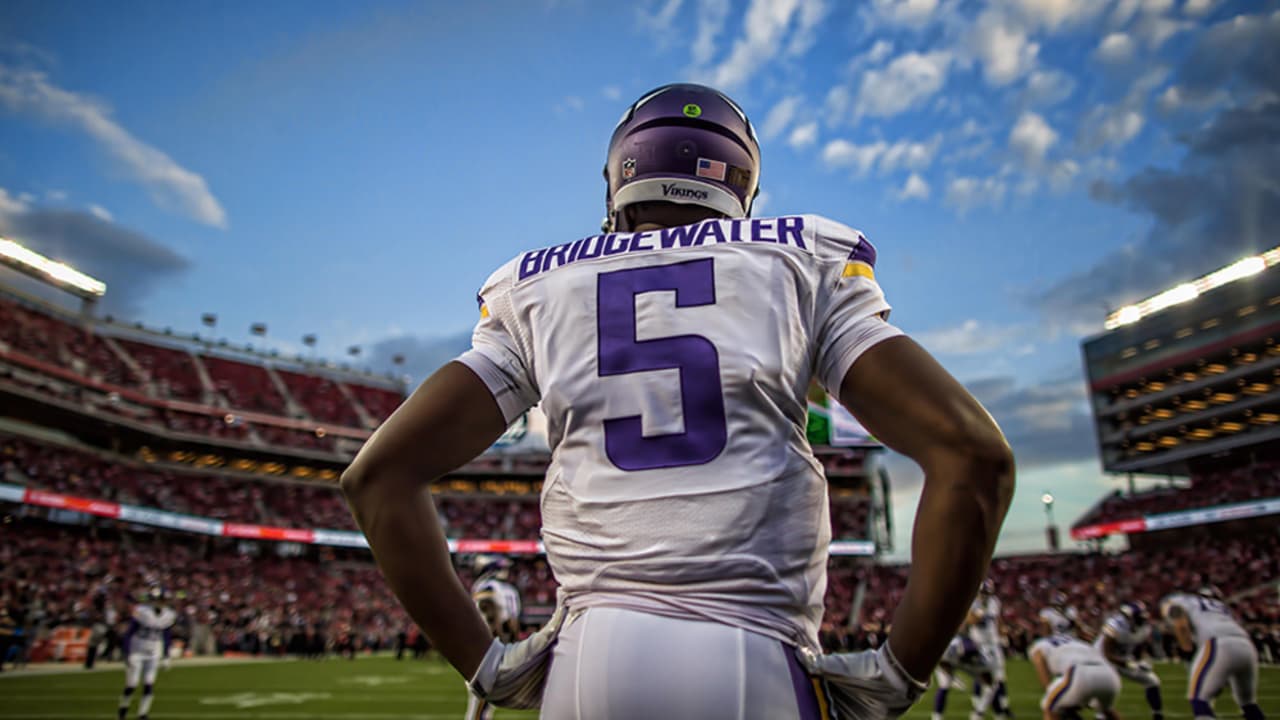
[51, 272]
[1050, 530]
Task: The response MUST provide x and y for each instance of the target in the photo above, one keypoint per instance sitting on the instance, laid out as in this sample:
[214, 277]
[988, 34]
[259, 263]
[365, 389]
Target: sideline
[41, 669]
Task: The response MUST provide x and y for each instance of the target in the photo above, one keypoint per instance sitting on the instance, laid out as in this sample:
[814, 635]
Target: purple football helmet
[682, 143]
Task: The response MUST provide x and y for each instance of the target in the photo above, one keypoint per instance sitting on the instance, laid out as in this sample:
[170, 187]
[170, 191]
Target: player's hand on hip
[514, 675]
[868, 685]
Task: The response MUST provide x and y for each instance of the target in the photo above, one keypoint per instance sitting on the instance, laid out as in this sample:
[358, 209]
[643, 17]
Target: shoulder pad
[837, 241]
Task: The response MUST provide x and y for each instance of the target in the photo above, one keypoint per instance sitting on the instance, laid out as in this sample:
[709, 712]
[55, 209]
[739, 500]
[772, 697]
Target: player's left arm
[449, 420]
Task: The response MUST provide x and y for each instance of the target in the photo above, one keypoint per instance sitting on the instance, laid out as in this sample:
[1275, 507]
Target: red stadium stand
[322, 399]
[245, 386]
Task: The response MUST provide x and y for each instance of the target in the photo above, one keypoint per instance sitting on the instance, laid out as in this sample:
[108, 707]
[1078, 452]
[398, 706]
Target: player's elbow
[976, 454]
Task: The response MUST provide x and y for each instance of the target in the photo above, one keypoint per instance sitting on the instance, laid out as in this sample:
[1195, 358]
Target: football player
[1121, 639]
[1074, 675]
[984, 630]
[1224, 654]
[684, 514]
[965, 655]
[1059, 618]
[499, 602]
[146, 649]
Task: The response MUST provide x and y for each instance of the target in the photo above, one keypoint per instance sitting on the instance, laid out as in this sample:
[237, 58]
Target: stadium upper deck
[1187, 383]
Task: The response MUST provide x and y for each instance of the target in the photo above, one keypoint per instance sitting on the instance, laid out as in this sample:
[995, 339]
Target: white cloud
[1031, 138]
[611, 92]
[968, 338]
[879, 52]
[914, 187]
[806, 31]
[765, 29]
[1062, 173]
[100, 212]
[1175, 99]
[570, 103]
[886, 157]
[1154, 30]
[842, 153]
[1115, 49]
[1054, 15]
[26, 198]
[803, 136]
[780, 117]
[10, 205]
[912, 13]
[903, 84]
[1002, 47]
[909, 155]
[663, 17]
[56, 196]
[1109, 126]
[968, 192]
[712, 15]
[1198, 8]
[170, 184]
[837, 105]
[1049, 87]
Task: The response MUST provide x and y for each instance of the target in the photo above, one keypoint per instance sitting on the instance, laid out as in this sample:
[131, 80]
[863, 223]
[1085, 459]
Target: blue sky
[357, 170]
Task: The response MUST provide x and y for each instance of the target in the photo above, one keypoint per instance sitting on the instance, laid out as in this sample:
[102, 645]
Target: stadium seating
[1207, 490]
[245, 386]
[167, 370]
[321, 398]
[172, 371]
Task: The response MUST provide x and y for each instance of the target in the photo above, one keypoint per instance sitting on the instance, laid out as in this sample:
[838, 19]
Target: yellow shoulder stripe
[857, 268]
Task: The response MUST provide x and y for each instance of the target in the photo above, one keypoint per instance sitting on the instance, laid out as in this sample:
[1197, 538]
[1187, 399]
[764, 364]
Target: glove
[514, 675]
[1142, 667]
[868, 685]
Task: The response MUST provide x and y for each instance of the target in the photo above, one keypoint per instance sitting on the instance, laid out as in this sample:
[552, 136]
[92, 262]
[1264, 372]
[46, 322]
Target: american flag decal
[713, 169]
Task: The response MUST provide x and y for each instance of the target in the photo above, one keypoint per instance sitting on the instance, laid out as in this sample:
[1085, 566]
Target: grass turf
[381, 688]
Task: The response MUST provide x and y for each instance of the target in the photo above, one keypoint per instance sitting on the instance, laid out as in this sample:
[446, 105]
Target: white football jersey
[505, 597]
[1209, 618]
[985, 628]
[148, 629]
[1123, 634]
[1062, 651]
[673, 367]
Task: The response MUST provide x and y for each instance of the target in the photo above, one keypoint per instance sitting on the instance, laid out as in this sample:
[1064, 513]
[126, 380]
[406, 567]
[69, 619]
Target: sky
[356, 170]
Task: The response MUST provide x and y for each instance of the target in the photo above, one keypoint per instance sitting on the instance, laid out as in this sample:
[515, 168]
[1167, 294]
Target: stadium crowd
[1258, 482]
[282, 503]
[1094, 584]
[97, 369]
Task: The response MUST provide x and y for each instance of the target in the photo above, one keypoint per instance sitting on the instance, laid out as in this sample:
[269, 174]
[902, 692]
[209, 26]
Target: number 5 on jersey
[620, 353]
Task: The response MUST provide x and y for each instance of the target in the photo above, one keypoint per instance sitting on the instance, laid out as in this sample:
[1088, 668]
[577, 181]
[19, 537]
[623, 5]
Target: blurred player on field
[1122, 636]
[146, 649]
[965, 655]
[1074, 675]
[499, 603]
[984, 630]
[1224, 654]
[684, 514]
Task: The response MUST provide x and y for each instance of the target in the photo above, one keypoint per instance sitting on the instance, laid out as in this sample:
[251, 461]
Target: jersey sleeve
[497, 354]
[852, 310]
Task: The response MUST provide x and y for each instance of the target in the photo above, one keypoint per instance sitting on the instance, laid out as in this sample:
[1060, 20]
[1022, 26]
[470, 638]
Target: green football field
[382, 688]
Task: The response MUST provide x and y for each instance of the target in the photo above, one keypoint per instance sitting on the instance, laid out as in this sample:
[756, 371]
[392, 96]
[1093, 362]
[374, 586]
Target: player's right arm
[1111, 648]
[1041, 664]
[1181, 623]
[914, 406]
